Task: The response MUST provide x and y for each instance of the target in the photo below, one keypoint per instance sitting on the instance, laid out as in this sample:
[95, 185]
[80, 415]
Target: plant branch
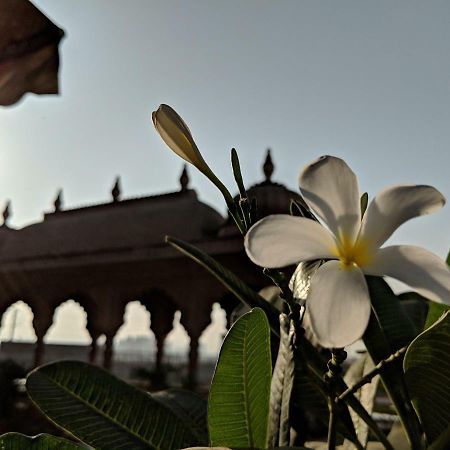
[338, 356]
[367, 378]
[332, 424]
[280, 281]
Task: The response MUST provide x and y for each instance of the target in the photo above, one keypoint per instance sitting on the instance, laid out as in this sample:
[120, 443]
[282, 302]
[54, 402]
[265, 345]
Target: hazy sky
[366, 81]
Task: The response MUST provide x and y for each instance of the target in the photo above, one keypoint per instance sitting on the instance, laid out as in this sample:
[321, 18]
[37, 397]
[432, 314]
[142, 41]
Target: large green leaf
[427, 372]
[238, 406]
[397, 326]
[389, 330]
[190, 407]
[229, 280]
[17, 441]
[103, 411]
[281, 387]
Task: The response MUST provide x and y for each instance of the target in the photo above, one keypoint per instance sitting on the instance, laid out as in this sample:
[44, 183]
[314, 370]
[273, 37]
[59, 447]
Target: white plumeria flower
[338, 301]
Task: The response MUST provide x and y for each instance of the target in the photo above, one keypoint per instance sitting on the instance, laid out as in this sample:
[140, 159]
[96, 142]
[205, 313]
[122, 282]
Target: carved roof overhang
[131, 229]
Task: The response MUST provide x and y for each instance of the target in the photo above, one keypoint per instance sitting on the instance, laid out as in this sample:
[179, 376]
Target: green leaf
[237, 173]
[17, 441]
[190, 407]
[281, 387]
[364, 201]
[396, 325]
[366, 395]
[435, 312]
[103, 411]
[238, 406]
[229, 280]
[427, 372]
[389, 330]
[416, 307]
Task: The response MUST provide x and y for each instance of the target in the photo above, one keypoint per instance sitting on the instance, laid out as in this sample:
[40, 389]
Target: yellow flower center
[352, 253]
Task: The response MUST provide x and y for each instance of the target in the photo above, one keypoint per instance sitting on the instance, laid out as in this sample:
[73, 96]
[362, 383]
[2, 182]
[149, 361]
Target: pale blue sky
[366, 81]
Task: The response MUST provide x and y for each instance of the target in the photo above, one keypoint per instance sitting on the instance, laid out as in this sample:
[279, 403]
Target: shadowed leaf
[427, 372]
[103, 411]
[190, 407]
[389, 330]
[17, 441]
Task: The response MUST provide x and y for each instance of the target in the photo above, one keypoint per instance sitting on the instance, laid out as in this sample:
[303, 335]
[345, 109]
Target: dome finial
[184, 179]
[6, 213]
[116, 191]
[268, 166]
[58, 201]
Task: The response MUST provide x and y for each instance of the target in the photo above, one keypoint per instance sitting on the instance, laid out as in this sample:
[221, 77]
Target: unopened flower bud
[176, 134]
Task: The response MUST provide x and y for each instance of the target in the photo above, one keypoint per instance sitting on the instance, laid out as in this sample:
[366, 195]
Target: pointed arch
[178, 340]
[135, 334]
[17, 321]
[69, 324]
[211, 339]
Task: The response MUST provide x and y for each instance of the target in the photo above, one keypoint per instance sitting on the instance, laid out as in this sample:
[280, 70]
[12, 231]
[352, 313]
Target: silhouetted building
[106, 255]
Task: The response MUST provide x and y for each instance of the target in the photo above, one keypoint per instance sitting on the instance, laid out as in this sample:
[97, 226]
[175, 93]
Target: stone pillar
[42, 320]
[95, 332]
[93, 351]
[195, 321]
[162, 312]
[193, 362]
[108, 352]
[105, 316]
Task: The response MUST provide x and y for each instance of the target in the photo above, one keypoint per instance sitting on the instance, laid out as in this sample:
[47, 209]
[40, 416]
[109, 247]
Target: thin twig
[367, 378]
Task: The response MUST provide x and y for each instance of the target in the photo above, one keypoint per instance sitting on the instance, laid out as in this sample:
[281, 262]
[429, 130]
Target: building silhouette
[104, 256]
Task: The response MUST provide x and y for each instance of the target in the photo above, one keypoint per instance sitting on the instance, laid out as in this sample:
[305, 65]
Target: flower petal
[394, 206]
[424, 271]
[331, 189]
[176, 134]
[281, 240]
[338, 304]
